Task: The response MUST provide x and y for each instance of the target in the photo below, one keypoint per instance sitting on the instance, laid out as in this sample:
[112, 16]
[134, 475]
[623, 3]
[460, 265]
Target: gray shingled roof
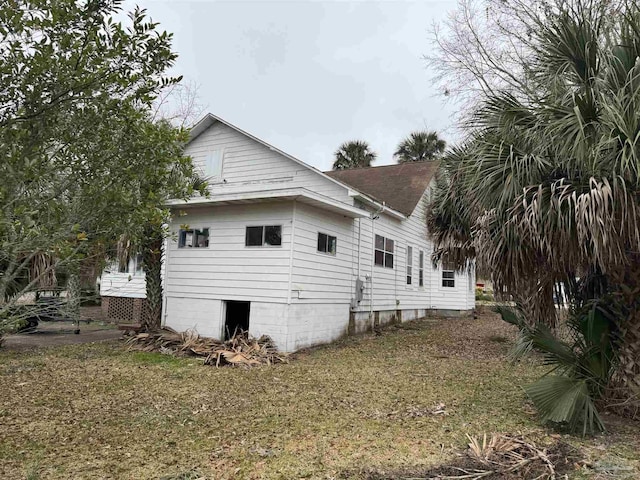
[400, 186]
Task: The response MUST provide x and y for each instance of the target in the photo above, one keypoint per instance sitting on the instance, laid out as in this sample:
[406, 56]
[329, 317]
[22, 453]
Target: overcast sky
[307, 75]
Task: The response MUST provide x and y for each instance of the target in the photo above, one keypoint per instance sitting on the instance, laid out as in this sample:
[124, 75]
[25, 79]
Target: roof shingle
[400, 186]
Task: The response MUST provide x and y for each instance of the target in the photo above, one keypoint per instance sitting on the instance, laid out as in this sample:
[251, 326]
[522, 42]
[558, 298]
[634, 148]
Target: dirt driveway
[62, 333]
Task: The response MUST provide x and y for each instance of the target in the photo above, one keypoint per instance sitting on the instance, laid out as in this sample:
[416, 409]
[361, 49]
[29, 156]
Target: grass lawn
[98, 411]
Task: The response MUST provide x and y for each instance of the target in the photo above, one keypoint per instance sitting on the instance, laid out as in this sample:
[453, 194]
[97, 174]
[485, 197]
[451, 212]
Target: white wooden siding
[321, 277]
[128, 285]
[324, 285]
[249, 165]
[228, 270]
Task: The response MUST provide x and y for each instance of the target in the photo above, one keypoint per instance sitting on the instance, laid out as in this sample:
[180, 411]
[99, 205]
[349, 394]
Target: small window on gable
[213, 164]
[269, 235]
[383, 252]
[327, 243]
[193, 238]
[409, 265]
[448, 275]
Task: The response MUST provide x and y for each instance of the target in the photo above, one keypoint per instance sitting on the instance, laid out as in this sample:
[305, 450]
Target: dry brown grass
[369, 402]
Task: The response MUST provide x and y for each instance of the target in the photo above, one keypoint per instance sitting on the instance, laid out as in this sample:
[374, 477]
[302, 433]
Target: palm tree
[546, 191]
[420, 146]
[353, 154]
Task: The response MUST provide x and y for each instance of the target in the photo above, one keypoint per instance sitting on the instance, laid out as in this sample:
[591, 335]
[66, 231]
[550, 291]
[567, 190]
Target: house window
[213, 164]
[448, 276]
[327, 243]
[139, 266]
[194, 238]
[123, 265]
[409, 265]
[421, 269]
[384, 252]
[269, 235]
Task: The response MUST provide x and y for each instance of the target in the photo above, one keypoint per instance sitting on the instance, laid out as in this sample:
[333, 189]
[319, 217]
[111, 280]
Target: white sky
[306, 76]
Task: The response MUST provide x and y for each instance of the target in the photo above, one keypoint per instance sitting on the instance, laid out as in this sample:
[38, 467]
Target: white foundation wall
[316, 323]
[207, 318]
[199, 314]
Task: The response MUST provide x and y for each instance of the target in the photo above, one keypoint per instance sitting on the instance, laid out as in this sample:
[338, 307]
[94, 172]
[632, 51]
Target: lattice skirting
[124, 310]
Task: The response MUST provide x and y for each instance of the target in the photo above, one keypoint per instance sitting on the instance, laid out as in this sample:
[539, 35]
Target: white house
[286, 250]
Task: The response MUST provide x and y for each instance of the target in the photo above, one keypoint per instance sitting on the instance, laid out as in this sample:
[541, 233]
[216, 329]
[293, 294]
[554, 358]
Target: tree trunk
[74, 293]
[627, 376]
[152, 260]
[624, 394]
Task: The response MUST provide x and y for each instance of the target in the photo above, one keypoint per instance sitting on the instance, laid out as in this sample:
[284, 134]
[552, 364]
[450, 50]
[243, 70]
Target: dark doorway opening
[236, 318]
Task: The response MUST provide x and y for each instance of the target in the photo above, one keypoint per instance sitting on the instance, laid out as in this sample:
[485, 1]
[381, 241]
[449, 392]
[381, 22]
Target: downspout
[359, 241]
[374, 217]
[293, 233]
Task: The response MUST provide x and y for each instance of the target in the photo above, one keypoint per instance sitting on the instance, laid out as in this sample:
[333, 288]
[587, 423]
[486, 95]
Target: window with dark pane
[253, 236]
[383, 253]
[273, 235]
[193, 238]
[332, 245]
[421, 269]
[270, 235]
[201, 238]
[448, 278]
[327, 243]
[409, 265]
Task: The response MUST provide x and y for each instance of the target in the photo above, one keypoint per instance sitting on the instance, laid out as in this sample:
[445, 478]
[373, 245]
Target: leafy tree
[353, 154]
[545, 190]
[82, 159]
[420, 146]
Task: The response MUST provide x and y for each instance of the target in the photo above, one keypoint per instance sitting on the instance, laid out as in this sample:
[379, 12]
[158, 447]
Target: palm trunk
[624, 395]
[152, 260]
[627, 376]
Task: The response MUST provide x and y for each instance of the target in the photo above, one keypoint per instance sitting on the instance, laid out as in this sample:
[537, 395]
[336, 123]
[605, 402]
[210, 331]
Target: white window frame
[421, 269]
[409, 265]
[448, 276]
[264, 230]
[194, 236]
[137, 265]
[384, 251]
[327, 243]
[214, 164]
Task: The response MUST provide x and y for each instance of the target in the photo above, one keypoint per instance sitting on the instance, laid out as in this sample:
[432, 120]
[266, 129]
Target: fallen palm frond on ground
[503, 454]
[501, 457]
[242, 349]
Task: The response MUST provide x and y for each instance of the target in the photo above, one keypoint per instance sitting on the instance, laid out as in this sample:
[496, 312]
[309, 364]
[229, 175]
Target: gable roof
[209, 119]
[399, 186]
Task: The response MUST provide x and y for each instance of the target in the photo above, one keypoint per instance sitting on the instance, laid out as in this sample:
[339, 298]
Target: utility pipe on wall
[374, 217]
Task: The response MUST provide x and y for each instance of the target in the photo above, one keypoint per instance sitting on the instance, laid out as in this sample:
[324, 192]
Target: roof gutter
[380, 207]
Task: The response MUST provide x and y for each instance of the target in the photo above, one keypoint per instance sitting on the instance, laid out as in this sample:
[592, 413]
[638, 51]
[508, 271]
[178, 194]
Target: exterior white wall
[299, 296]
[227, 269]
[203, 315]
[199, 280]
[130, 284]
[314, 324]
[249, 165]
[323, 285]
